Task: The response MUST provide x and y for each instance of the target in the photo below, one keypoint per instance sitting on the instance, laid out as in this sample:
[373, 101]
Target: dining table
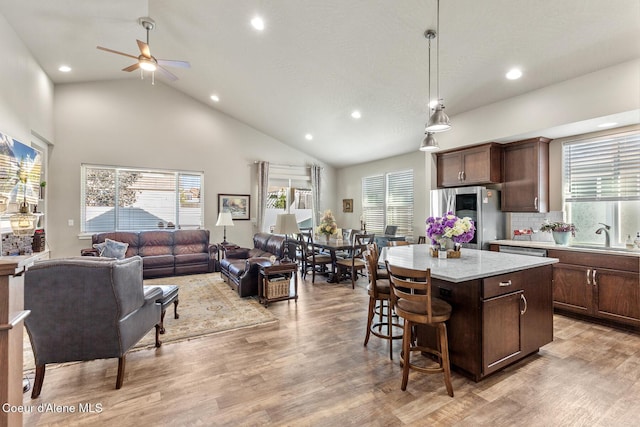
[333, 247]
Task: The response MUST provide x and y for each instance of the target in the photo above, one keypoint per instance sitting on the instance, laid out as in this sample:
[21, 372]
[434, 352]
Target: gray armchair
[87, 308]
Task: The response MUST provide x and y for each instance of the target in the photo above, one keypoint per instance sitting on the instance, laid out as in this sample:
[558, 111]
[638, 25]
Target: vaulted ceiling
[317, 61]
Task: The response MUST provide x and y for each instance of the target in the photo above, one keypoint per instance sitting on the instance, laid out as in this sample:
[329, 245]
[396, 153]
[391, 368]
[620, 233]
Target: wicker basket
[450, 253]
[277, 288]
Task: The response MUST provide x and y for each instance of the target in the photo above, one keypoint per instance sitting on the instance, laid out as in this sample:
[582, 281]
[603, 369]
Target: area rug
[207, 306]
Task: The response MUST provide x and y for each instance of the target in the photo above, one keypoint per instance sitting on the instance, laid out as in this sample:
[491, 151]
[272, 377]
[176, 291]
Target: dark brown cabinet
[601, 286]
[497, 320]
[525, 186]
[470, 166]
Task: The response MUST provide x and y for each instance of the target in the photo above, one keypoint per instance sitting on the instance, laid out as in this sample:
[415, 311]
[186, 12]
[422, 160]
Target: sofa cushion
[237, 268]
[190, 241]
[158, 261]
[111, 249]
[275, 246]
[154, 243]
[260, 240]
[193, 258]
[128, 237]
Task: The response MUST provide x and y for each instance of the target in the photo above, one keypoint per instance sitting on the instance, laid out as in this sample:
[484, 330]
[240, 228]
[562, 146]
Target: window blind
[125, 199]
[373, 195]
[400, 201]
[605, 168]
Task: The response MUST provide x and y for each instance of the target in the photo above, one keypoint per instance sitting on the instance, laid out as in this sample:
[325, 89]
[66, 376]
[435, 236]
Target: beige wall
[132, 123]
[350, 187]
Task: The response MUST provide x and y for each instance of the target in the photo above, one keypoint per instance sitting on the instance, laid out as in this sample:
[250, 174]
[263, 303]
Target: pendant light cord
[437, 51]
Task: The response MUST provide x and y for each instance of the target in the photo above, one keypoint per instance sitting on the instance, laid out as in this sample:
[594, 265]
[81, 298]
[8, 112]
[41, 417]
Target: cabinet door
[526, 176]
[572, 288]
[476, 166]
[537, 307]
[501, 331]
[617, 294]
[449, 169]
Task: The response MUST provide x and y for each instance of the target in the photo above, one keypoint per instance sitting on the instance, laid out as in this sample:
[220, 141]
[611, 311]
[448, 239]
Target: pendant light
[439, 121]
[429, 142]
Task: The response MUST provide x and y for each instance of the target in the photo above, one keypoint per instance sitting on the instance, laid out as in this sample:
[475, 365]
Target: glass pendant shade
[429, 143]
[439, 121]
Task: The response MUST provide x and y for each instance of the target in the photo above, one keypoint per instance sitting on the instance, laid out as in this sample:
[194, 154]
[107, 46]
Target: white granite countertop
[473, 264]
[578, 248]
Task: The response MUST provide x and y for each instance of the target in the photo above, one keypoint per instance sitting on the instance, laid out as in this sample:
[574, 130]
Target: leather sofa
[165, 252]
[241, 266]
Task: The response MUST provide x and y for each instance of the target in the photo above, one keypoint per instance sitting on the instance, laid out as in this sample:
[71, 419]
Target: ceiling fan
[145, 60]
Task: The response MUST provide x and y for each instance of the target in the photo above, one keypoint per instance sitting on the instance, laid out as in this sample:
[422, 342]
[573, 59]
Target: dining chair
[313, 259]
[412, 300]
[379, 303]
[354, 260]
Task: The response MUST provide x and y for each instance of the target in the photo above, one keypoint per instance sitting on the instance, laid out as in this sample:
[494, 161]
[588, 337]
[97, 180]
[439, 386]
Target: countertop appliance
[480, 204]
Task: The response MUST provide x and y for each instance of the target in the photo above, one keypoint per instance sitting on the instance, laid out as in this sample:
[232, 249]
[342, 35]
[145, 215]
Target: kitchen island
[502, 304]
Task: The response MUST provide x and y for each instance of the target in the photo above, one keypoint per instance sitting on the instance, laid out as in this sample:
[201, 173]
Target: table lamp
[286, 224]
[224, 219]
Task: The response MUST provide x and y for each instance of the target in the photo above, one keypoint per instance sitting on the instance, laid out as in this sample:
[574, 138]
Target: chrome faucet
[606, 228]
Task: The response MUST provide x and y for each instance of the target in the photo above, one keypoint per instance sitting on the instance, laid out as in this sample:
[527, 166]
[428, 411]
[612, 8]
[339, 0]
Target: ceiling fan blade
[144, 48]
[173, 63]
[132, 67]
[168, 74]
[115, 51]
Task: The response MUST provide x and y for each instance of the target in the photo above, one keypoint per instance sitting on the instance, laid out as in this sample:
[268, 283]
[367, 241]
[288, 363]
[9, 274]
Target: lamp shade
[286, 224]
[439, 121]
[429, 143]
[225, 218]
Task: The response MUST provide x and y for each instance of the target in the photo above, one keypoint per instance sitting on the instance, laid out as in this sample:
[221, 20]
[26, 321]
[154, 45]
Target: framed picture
[238, 204]
[347, 205]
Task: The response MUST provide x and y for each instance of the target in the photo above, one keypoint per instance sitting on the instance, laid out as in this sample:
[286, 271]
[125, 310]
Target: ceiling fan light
[439, 121]
[147, 64]
[429, 143]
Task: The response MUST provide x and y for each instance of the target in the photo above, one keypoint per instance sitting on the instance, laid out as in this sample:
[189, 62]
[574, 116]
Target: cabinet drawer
[503, 284]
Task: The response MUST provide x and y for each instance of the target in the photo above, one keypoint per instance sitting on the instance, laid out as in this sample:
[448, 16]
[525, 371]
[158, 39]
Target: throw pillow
[111, 249]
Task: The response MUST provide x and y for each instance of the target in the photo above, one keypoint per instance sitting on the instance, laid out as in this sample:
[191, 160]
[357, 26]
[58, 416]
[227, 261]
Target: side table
[275, 283]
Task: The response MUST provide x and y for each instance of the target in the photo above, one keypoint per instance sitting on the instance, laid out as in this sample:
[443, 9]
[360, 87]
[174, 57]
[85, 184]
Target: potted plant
[449, 232]
[561, 231]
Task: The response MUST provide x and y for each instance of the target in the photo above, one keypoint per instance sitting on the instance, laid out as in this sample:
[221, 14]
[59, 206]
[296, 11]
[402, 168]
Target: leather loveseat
[241, 266]
[164, 252]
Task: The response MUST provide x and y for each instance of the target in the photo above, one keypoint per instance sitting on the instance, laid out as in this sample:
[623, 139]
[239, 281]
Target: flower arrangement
[449, 226]
[559, 226]
[327, 224]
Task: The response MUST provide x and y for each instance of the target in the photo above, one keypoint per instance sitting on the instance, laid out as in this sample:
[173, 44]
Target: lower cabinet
[495, 321]
[601, 286]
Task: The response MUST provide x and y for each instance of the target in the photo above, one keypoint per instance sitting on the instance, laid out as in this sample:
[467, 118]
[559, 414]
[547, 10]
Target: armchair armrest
[152, 294]
[237, 253]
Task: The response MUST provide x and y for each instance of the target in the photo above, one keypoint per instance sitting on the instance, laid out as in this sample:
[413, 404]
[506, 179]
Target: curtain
[263, 187]
[315, 189]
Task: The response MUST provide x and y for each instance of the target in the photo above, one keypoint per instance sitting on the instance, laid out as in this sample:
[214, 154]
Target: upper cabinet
[480, 164]
[526, 176]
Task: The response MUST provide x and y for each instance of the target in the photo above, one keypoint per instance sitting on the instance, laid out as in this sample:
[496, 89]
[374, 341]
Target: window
[388, 200]
[126, 199]
[602, 185]
[289, 192]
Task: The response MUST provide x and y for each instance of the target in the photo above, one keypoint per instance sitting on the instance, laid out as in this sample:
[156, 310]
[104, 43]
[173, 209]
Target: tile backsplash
[531, 220]
[16, 245]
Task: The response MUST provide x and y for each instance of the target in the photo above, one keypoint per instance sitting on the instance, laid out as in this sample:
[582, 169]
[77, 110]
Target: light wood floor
[312, 370]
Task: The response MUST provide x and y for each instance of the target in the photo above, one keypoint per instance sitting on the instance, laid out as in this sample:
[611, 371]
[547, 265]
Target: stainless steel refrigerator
[480, 204]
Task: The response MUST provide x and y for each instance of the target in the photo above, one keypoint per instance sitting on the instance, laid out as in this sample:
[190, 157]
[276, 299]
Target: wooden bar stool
[379, 303]
[411, 298]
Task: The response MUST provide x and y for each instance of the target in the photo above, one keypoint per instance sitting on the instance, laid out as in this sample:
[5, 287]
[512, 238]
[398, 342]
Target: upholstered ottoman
[169, 295]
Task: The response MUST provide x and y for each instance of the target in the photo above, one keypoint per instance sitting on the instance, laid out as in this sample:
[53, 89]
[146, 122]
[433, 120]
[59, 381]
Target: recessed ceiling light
[514, 74]
[215, 98]
[607, 125]
[308, 137]
[356, 114]
[64, 68]
[257, 23]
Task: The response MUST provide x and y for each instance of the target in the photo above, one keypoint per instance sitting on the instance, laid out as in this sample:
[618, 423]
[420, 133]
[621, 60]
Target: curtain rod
[285, 166]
